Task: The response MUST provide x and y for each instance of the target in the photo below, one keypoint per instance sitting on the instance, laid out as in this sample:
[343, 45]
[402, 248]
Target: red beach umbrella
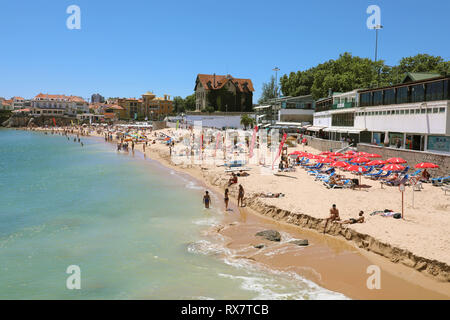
[361, 154]
[376, 163]
[313, 156]
[426, 165]
[340, 164]
[334, 154]
[393, 167]
[296, 153]
[356, 169]
[360, 160]
[348, 156]
[373, 155]
[325, 160]
[350, 152]
[325, 153]
[396, 160]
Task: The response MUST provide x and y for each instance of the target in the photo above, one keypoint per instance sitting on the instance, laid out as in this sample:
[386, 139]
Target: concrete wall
[157, 125]
[325, 145]
[413, 157]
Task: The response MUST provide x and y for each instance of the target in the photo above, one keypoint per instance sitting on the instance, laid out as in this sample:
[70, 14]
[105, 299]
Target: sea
[87, 222]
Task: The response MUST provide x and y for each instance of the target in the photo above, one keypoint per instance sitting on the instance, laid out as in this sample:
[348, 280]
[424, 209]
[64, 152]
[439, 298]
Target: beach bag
[397, 216]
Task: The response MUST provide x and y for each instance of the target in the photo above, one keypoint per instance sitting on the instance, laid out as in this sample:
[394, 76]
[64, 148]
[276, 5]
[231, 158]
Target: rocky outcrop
[271, 235]
[302, 243]
[21, 121]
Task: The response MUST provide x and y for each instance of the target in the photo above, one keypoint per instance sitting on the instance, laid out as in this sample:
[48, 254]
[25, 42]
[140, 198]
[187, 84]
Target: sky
[125, 48]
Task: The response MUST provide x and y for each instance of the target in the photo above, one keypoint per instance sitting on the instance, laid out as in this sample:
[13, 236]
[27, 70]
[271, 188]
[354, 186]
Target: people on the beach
[206, 199]
[226, 199]
[241, 196]
[360, 219]
[233, 179]
[425, 175]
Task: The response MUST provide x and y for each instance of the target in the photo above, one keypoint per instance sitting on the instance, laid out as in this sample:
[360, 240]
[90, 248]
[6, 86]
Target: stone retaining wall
[325, 145]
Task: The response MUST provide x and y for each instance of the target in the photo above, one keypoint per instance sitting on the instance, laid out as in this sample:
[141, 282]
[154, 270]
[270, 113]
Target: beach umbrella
[396, 160]
[347, 156]
[313, 156]
[361, 154]
[356, 168]
[350, 152]
[372, 155]
[426, 165]
[376, 163]
[334, 154]
[325, 153]
[393, 167]
[360, 160]
[325, 160]
[340, 164]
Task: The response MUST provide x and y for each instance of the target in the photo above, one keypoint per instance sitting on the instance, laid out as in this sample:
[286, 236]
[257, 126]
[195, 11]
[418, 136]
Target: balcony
[344, 105]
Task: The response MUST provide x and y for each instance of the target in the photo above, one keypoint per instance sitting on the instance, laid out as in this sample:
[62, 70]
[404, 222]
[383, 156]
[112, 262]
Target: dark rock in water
[300, 242]
[259, 246]
[271, 235]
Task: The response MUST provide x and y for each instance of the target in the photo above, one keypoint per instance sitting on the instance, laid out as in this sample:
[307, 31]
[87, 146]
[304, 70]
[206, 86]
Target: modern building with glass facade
[412, 115]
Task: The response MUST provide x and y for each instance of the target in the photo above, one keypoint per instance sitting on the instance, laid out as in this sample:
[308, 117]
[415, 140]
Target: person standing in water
[226, 199]
[206, 200]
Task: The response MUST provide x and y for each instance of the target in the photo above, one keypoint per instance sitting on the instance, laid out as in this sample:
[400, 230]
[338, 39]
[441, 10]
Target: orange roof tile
[207, 81]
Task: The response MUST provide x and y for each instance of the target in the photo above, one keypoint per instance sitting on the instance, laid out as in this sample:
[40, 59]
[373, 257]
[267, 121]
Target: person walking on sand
[226, 199]
[206, 199]
[241, 196]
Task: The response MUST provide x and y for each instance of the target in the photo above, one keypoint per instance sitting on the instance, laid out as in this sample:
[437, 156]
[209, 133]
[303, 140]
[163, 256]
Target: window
[422, 111]
[435, 91]
[343, 119]
[435, 110]
[366, 99]
[407, 111]
[439, 143]
[418, 93]
[402, 111]
[417, 111]
[429, 110]
[441, 110]
[402, 95]
[388, 112]
[384, 113]
[378, 98]
[389, 96]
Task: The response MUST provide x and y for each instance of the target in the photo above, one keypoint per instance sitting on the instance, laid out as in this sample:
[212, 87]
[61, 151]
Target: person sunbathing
[242, 174]
[392, 179]
[271, 195]
[336, 180]
[233, 179]
[353, 220]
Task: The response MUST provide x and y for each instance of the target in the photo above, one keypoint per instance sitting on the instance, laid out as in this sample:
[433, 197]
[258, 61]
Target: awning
[261, 107]
[315, 128]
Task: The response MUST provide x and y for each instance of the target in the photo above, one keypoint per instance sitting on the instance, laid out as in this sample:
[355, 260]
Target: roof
[215, 82]
[432, 79]
[112, 106]
[17, 98]
[59, 96]
[109, 115]
[418, 76]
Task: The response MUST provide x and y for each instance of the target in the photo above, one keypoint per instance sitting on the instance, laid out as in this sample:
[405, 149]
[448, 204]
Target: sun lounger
[440, 181]
[446, 188]
[382, 176]
[379, 173]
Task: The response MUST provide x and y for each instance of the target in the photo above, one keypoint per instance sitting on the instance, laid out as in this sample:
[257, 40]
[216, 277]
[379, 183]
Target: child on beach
[241, 196]
[206, 200]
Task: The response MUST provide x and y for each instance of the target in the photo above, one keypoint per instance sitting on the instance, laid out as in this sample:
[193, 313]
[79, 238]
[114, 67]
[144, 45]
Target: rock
[271, 235]
[300, 242]
[259, 246]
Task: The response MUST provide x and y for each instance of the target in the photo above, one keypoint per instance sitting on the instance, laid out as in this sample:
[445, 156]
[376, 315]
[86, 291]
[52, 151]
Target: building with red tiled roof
[223, 93]
[58, 104]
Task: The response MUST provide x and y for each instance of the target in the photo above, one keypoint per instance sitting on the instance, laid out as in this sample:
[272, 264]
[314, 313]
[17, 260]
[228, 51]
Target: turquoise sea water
[135, 229]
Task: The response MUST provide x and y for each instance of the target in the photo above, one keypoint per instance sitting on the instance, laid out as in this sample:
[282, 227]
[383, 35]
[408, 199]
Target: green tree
[189, 102]
[247, 121]
[269, 90]
[421, 63]
[178, 104]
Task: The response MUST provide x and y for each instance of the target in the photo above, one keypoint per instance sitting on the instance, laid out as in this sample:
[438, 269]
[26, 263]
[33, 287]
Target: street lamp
[276, 69]
[377, 27]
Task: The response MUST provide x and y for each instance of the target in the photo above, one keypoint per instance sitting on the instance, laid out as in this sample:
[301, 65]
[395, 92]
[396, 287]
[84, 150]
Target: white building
[47, 104]
[413, 115]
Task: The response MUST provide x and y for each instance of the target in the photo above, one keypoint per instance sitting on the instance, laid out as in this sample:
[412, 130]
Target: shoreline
[364, 244]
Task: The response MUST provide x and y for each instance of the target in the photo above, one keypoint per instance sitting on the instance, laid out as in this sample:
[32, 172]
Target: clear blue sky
[125, 48]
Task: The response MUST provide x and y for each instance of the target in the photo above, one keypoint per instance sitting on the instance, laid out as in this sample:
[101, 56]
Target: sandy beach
[414, 252]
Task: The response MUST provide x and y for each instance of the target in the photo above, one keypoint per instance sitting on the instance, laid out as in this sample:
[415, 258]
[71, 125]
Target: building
[413, 115]
[133, 108]
[6, 104]
[156, 107]
[223, 93]
[56, 104]
[97, 98]
[17, 103]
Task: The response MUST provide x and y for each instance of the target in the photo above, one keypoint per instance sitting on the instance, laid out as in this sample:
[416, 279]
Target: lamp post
[377, 27]
[276, 69]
